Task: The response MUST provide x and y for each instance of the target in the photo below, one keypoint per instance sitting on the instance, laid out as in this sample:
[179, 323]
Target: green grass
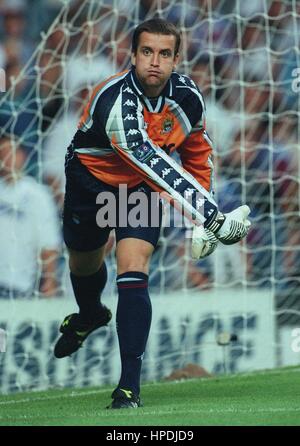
[257, 399]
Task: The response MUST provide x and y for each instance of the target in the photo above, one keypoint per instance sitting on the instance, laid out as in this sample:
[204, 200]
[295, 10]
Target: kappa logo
[132, 132]
[182, 80]
[177, 182]
[154, 161]
[199, 203]
[128, 90]
[129, 103]
[166, 172]
[130, 118]
[189, 192]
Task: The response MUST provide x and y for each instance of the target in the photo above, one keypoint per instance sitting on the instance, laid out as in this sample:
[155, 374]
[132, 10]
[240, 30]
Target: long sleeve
[127, 132]
[197, 158]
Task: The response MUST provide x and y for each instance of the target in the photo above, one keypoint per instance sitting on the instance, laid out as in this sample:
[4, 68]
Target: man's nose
[155, 60]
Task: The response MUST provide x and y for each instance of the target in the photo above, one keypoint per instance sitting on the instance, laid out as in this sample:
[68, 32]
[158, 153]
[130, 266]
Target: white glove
[204, 242]
[235, 227]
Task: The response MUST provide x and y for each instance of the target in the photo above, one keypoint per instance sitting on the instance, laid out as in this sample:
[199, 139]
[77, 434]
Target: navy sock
[87, 290]
[133, 325]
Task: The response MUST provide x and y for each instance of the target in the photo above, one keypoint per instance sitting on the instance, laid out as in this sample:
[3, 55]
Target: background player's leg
[88, 276]
[134, 308]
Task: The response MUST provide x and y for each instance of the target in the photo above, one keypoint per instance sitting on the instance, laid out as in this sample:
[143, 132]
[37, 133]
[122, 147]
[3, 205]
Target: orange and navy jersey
[125, 137]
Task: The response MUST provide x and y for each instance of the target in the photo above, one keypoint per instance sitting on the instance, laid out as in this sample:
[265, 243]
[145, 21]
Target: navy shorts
[93, 208]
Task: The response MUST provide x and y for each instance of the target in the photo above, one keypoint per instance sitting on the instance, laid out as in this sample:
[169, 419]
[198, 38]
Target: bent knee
[140, 264]
[133, 255]
[85, 263]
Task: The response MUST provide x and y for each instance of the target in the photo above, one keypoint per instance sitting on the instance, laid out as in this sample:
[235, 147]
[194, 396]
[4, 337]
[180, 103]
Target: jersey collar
[136, 85]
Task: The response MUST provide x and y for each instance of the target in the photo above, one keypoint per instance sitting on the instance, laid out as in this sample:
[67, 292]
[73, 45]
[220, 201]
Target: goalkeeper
[132, 123]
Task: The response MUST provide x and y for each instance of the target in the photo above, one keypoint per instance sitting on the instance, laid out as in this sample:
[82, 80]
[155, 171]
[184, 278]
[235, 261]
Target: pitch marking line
[158, 413]
[95, 392]
[72, 394]
[54, 397]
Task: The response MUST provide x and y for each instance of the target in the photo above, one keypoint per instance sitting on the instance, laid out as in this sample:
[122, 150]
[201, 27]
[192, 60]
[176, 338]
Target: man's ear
[176, 60]
[133, 59]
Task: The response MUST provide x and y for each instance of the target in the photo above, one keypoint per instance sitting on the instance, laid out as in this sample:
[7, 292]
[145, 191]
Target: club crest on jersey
[167, 125]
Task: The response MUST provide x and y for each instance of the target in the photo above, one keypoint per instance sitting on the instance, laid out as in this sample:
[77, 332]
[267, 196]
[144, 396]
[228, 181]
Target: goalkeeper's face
[154, 61]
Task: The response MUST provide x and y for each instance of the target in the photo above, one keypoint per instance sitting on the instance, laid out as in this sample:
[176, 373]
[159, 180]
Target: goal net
[238, 309]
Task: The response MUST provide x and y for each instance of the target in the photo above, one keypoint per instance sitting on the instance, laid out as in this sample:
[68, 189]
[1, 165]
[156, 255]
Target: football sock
[87, 290]
[133, 325]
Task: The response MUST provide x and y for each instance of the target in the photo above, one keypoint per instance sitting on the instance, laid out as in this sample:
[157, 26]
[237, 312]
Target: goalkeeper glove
[232, 227]
[204, 242]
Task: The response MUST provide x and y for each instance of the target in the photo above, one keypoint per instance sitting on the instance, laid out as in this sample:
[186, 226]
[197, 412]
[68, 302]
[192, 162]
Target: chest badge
[167, 125]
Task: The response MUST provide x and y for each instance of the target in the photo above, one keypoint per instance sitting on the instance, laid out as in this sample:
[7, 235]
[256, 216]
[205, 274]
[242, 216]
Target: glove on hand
[235, 227]
[204, 242]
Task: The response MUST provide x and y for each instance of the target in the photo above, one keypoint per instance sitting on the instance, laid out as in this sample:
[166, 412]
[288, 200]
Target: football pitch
[256, 399]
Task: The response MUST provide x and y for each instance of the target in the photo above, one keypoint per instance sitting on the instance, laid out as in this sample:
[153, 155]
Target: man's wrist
[216, 224]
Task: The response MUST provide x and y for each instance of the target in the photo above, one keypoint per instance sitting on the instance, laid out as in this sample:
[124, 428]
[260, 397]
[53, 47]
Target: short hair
[156, 26]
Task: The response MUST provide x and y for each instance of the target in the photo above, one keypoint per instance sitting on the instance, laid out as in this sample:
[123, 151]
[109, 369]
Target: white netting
[244, 56]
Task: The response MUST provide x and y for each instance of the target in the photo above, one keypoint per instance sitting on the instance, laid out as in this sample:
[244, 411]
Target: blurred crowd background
[243, 56]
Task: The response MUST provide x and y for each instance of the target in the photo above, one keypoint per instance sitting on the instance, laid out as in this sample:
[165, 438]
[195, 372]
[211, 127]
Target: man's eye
[146, 52]
[166, 53]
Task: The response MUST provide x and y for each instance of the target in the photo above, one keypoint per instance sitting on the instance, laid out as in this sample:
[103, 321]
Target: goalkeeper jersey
[124, 137]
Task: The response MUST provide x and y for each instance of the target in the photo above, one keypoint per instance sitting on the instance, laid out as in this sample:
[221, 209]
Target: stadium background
[244, 57]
